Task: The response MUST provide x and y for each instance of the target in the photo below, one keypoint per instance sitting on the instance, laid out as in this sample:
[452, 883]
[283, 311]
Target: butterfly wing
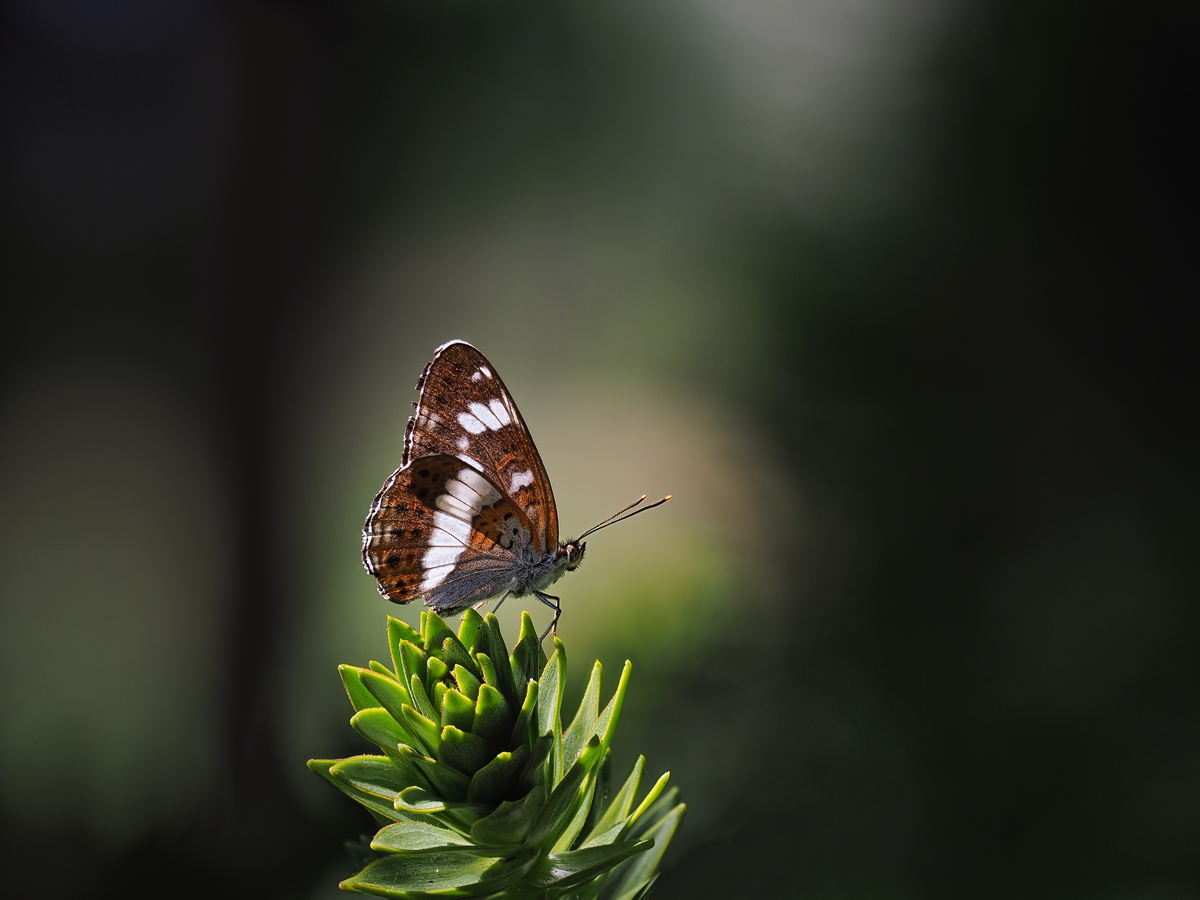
[442, 530]
[466, 411]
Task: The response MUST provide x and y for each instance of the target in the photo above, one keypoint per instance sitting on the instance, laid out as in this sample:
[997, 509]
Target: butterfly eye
[574, 555]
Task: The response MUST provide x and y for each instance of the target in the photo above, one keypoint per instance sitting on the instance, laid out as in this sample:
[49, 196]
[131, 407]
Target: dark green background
[979, 672]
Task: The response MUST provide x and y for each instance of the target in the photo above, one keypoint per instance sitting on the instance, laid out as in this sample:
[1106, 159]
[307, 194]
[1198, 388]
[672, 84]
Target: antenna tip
[668, 497]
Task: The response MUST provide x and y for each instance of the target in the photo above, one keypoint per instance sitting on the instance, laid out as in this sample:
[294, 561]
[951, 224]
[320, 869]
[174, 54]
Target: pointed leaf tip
[468, 628]
[397, 633]
[525, 659]
[435, 632]
[606, 722]
[651, 796]
[457, 710]
[435, 671]
[467, 683]
[378, 727]
[527, 629]
[387, 693]
[360, 697]
[493, 717]
[520, 734]
[550, 691]
[455, 654]
[380, 669]
[498, 779]
[491, 642]
[583, 726]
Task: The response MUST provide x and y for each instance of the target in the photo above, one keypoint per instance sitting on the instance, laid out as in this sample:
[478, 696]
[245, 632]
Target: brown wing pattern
[440, 529]
[465, 411]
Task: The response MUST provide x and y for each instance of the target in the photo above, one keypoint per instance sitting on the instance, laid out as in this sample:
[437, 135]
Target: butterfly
[469, 515]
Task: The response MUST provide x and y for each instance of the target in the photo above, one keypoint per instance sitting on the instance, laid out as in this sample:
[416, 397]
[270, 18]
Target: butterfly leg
[503, 597]
[547, 598]
[483, 602]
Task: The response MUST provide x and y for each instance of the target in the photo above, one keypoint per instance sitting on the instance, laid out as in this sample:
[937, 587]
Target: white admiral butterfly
[469, 515]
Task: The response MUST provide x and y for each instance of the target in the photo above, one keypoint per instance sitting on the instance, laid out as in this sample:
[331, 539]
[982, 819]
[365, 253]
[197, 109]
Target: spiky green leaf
[619, 807]
[567, 836]
[420, 800]
[407, 836]
[550, 690]
[650, 797]
[446, 781]
[381, 669]
[388, 693]
[465, 752]
[412, 662]
[550, 693]
[497, 780]
[443, 871]
[454, 654]
[468, 628]
[524, 658]
[435, 631]
[656, 813]
[378, 775]
[457, 710]
[420, 698]
[488, 668]
[435, 671]
[511, 822]
[603, 778]
[498, 654]
[360, 697]
[426, 734]
[564, 800]
[439, 693]
[398, 631]
[606, 723]
[564, 870]
[378, 727]
[521, 729]
[468, 683]
[634, 874]
[493, 717]
[380, 807]
[583, 726]
[537, 769]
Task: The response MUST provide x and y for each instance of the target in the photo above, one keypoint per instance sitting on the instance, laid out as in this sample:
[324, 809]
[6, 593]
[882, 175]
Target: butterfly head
[571, 554]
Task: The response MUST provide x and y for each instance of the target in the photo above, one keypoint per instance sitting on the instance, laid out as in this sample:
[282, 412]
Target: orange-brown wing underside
[442, 530]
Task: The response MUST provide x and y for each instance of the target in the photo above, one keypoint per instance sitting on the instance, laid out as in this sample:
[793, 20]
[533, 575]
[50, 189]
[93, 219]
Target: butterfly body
[470, 513]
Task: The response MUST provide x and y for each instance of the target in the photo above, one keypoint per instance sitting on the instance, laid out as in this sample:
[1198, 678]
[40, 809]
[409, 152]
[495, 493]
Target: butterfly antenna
[619, 515]
[625, 509]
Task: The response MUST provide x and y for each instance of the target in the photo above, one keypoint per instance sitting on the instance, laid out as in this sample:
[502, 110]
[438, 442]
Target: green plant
[480, 790]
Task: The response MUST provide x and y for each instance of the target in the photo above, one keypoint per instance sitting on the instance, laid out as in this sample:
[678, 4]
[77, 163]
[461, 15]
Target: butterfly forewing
[465, 411]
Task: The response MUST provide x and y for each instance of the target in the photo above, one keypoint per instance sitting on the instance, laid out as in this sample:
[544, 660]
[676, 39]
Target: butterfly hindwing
[465, 411]
[442, 530]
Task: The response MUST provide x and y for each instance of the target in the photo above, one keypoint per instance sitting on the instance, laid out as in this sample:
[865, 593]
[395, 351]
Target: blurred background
[897, 298]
